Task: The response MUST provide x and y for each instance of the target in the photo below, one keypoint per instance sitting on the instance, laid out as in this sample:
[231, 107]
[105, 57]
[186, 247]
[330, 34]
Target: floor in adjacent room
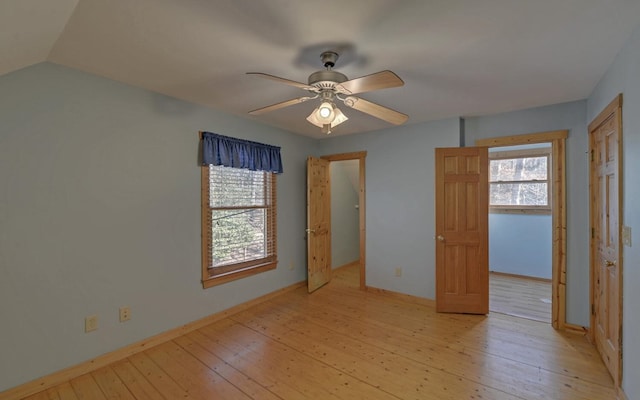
[520, 296]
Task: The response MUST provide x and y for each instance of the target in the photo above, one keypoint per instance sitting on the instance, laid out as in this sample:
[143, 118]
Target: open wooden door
[462, 230]
[606, 268]
[318, 223]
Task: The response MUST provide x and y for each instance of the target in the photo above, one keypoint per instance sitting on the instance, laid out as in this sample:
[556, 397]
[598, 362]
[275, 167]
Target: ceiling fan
[329, 85]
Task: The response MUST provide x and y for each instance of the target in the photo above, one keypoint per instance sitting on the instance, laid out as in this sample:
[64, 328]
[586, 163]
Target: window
[239, 223]
[519, 181]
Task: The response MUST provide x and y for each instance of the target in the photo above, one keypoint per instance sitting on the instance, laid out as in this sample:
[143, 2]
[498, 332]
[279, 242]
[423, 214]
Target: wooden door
[462, 213]
[318, 223]
[606, 276]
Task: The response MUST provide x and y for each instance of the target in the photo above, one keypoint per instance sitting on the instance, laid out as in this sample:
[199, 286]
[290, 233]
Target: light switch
[626, 236]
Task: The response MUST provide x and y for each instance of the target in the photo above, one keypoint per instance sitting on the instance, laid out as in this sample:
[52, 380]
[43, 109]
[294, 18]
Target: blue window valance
[239, 153]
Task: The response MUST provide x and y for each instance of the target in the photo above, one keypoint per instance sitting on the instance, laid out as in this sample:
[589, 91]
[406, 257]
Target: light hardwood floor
[520, 297]
[342, 343]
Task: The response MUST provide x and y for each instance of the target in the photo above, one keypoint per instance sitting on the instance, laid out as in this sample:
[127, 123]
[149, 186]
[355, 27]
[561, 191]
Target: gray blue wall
[100, 208]
[520, 244]
[624, 77]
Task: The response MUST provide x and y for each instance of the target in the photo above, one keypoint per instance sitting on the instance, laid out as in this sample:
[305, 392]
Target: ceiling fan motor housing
[326, 79]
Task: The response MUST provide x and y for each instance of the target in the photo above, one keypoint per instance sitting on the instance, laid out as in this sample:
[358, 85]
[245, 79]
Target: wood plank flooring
[342, 343]
[520, 297]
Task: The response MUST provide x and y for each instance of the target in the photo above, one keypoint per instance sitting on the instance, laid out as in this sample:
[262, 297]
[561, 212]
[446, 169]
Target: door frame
[360, 156]
[558, 215]
[610, 110]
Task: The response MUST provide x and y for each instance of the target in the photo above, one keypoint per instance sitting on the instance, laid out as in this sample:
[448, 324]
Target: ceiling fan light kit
[325, 112]
[327, 124]
[329, 85]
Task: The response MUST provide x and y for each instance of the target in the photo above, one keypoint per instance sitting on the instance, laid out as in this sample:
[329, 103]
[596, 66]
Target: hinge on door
[592, 156]
[620, 341]
[593, 309]
[593, 233]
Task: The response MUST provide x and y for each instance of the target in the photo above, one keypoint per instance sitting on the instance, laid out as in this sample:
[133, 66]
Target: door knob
[440, 238]
[310, 230]
[609, 263]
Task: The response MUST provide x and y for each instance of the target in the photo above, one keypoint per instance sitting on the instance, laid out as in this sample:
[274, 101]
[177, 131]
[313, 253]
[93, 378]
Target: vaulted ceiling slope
[456, 57]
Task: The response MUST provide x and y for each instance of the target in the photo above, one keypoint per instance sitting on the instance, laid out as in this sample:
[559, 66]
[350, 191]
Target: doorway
[520, 227]
[558, 213]
[352, 173]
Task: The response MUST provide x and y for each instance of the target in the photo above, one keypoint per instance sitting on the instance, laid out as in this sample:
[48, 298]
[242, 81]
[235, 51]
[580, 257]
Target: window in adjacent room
[520, 181]
[238, 221]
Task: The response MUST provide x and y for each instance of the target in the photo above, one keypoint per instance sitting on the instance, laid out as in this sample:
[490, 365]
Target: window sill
[521, 211]
[215, 280]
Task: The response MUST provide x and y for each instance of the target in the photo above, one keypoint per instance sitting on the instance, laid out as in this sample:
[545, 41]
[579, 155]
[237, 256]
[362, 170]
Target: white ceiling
[456, 57]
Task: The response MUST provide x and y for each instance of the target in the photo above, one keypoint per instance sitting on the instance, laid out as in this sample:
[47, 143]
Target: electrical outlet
[125, 313]
[398, 271]
[90, 323]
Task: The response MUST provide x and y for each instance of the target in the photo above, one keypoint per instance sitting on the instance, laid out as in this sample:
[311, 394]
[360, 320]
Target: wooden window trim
[240, 270]
[524, 209]
[530, 210]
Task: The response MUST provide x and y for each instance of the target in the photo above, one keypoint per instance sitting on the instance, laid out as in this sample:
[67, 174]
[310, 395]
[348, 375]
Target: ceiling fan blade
[277, 106]
[379, 80]
[376, 110]
[282, 80]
